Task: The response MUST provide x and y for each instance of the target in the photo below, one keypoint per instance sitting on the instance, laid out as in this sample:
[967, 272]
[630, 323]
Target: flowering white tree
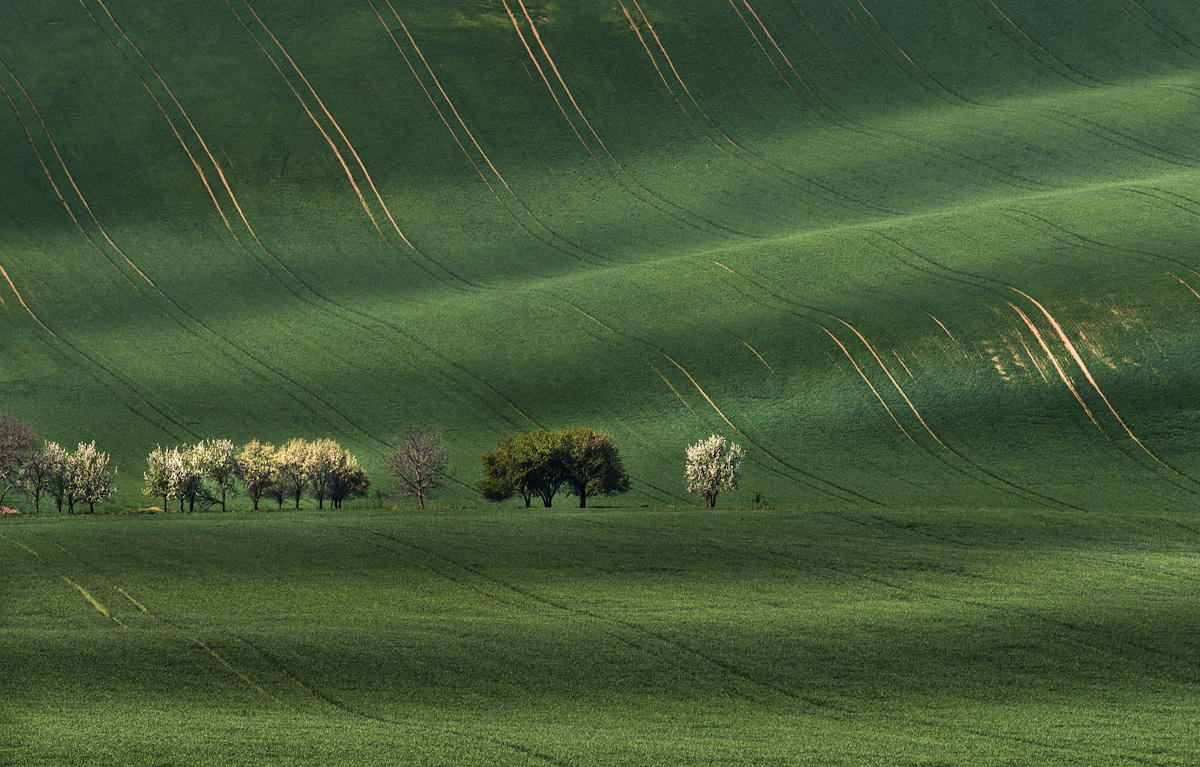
[158, 474]
[187, 474]
[713, 465]
[90, 476]
[218, 459]
[256, 469]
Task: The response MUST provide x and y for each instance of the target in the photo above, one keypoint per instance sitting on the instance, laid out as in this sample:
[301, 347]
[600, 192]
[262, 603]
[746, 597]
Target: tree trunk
[37, 498]
[181, 504]
[420, 500]
[91, 507]
[164, 506]
[222, 498]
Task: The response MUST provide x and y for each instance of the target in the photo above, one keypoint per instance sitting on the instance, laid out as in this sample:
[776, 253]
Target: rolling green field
[605, 637]
[935, 266]
[905, 258]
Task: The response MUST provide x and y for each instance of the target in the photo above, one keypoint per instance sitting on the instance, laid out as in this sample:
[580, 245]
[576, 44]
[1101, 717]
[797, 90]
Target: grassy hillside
[905, 257]
[601, 637]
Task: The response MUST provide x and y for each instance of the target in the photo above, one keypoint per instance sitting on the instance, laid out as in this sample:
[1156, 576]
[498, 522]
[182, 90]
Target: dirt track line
[756, 354]
[910, 60]
[761, 47]
[186, 117]
[1185, 284]
[66, 170]
[1057, 367]
[341, 160]
[1089, 81]
[1088, 375]
[362, 166]
[82, 591]
[1032, 358]
[901, 361]
[702, 393]
[891, 378]
[474, 142]
[675, 391]
[866, 380]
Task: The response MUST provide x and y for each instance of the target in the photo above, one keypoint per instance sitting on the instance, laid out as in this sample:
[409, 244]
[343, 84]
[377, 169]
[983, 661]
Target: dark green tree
[591, 464]
[531, 464]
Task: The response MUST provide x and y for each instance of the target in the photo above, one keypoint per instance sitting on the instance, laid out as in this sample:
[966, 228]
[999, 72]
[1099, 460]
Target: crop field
[935, 266]
[603, 637]
[903, 257]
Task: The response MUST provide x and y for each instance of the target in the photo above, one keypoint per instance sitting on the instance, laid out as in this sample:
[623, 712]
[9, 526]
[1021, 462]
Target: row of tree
[584, 461]
[210, 470]
[29, 464]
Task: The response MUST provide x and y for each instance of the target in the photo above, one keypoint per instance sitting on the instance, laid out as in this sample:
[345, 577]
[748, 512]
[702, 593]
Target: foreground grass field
[610, 637]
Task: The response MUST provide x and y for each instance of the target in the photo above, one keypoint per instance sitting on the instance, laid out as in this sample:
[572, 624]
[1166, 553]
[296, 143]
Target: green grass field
[904, 257]
[935, 266]
[606, 637]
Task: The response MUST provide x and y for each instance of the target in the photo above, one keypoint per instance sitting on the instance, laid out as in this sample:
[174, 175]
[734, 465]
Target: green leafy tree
[591, 464]
[256, 469]
[347, 481]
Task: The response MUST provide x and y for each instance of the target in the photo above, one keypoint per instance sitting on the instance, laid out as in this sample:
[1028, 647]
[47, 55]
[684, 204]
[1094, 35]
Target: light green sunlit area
[934, 266]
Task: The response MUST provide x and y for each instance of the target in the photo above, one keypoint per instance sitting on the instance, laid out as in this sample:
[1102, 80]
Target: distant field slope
[935, 253]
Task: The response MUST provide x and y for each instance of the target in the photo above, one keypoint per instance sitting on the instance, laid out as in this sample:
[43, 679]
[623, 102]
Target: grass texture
[904, 256]
[601, 637]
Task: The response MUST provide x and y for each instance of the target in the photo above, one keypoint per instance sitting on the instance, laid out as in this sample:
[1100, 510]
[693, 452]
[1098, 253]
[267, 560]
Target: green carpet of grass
[672, 240]
[935, 636]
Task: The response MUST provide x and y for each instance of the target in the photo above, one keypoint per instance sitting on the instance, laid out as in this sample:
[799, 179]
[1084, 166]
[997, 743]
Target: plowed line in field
[1088, 375]
[842, 199]
[759, 42]
[1160, 28]
[172, 302]
[674, 391]
[664, 206]
[174, 129]
[895, 44]
[702, 392]
[1089, 81]
[901, 361]
[82, 591]
[579, 613]
[554, 236]
[867, 381]
[332, 121]
[66, 170]
[187, 118]
[1032, 358]
[1057, 367]
[341, 160]
[1185, 284]
[756, 354]
[891, 378]
[1009, 486]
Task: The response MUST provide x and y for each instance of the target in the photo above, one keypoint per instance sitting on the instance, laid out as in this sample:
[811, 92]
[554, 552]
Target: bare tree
[418, 463]
[18, 443]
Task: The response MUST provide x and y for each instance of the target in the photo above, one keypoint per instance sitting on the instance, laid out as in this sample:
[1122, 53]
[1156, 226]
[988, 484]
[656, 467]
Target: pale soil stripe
[756, 354]
[679, 77]
[20, 300]
[38, 154]
[901, 361]
[1036, 363]
[762, 47]
[341, 160]
[891, 378]
[1088, 375]
[336, 126]
[46, 130]
[702, 393]
[183, 112]
[1057, 367]
[868, 382]
[174, 129]
[83, 592]
[654, 61]
[1185, 284]
[782, 55]
[943, 327]
[550, 60]
[553, 94]
[674, 391]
